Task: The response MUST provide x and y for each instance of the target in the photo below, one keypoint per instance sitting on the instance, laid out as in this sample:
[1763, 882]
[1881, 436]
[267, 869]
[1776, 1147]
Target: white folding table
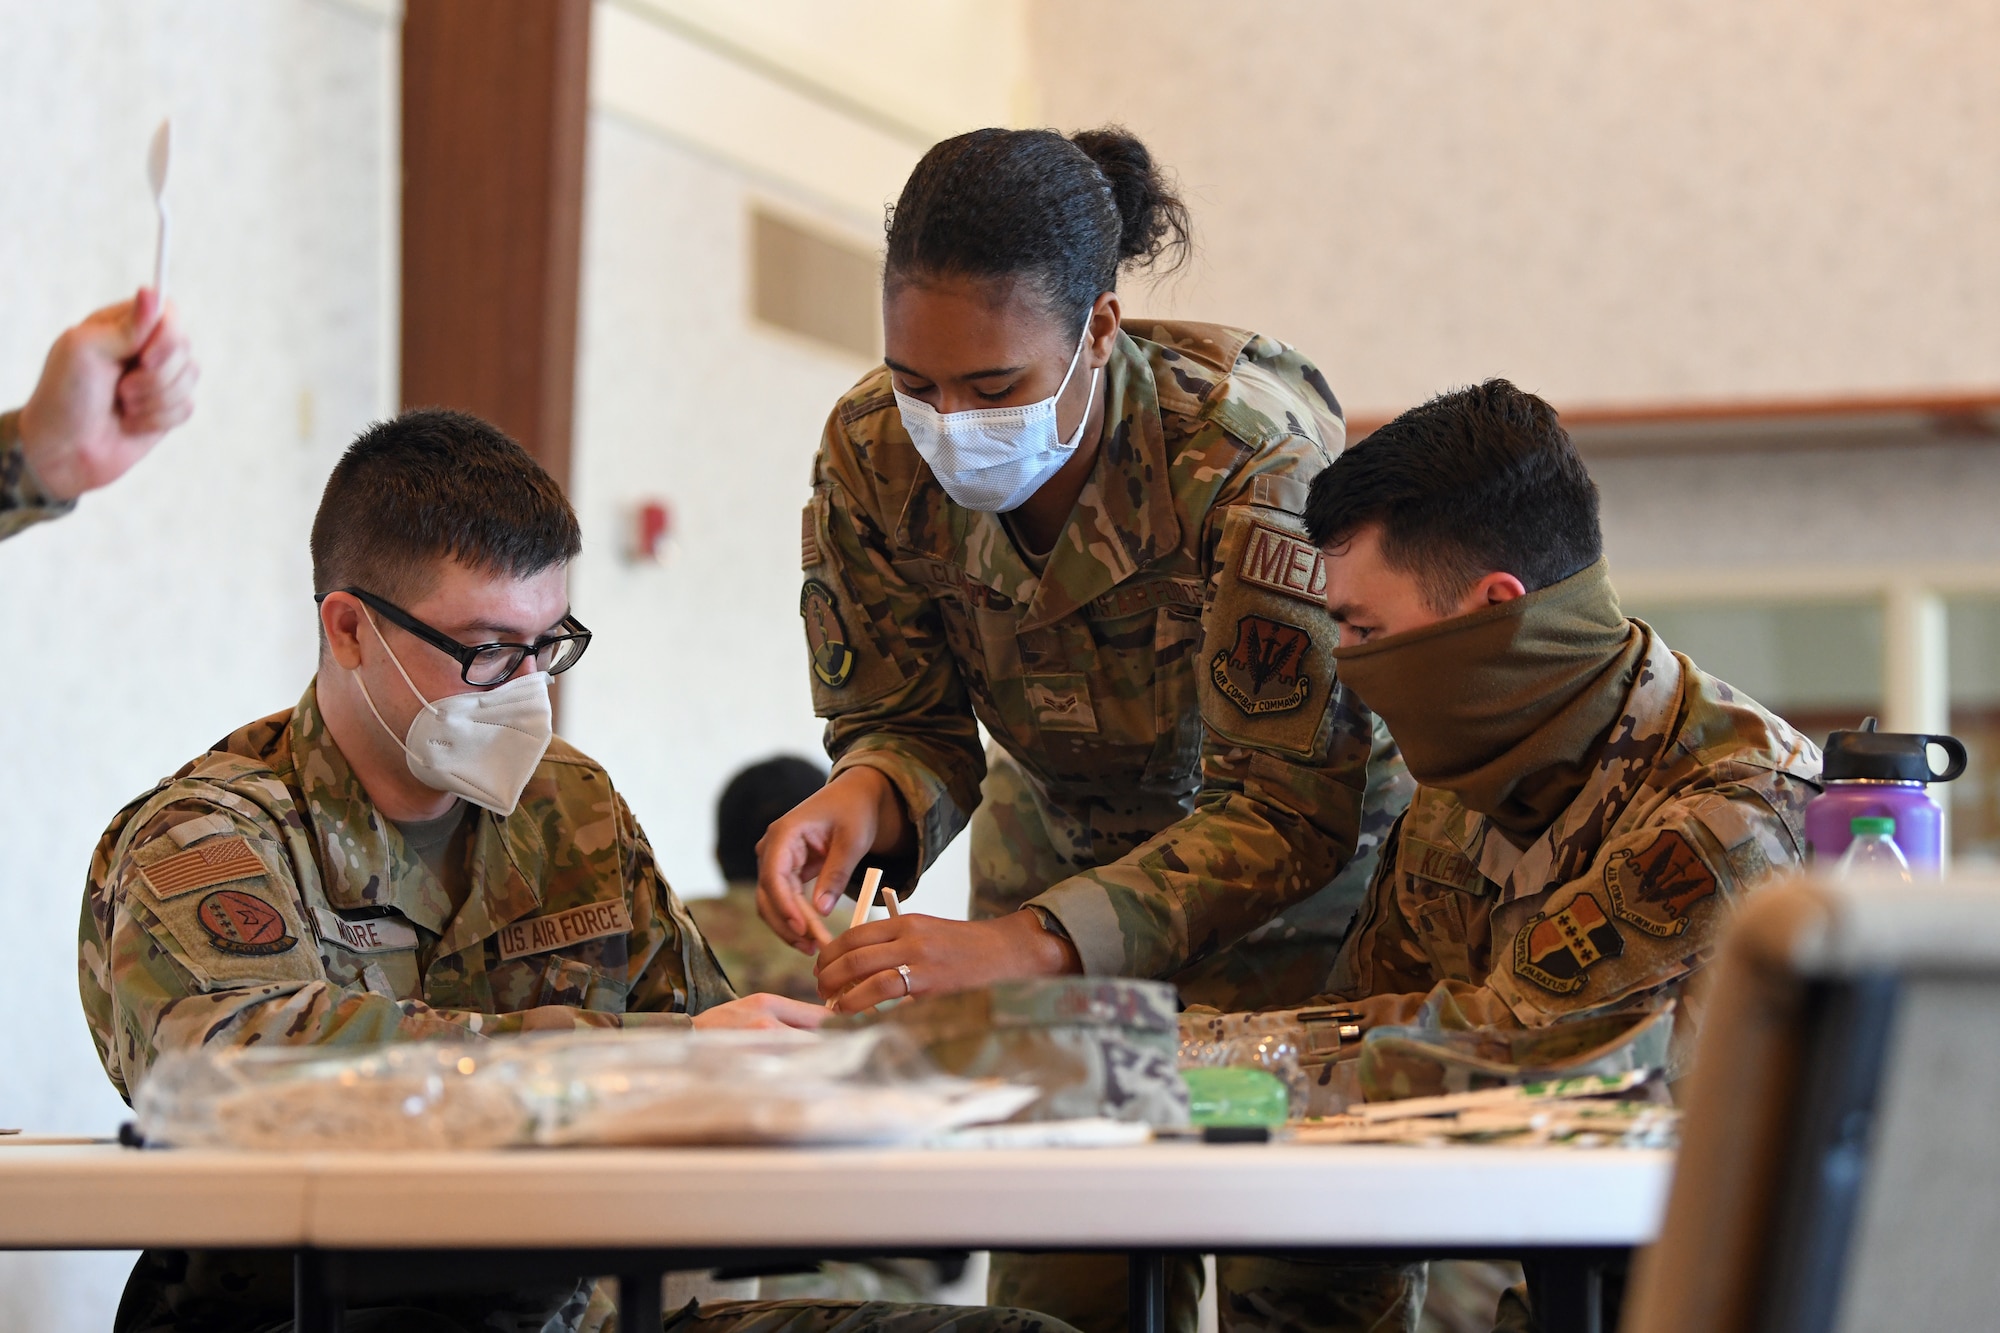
[368, 1225]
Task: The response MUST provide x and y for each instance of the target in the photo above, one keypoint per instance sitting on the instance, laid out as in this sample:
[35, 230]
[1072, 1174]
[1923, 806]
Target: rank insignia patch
[216, 861]
[1657, 887]
[1265, 671]
[1060, 703]
[243, 923]
[1554, 952]
[826, 636]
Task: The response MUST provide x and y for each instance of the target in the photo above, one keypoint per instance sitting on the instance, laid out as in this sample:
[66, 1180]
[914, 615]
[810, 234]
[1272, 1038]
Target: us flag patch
[216, 861]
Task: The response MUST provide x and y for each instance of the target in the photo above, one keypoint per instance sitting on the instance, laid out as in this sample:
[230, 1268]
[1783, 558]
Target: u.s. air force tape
[539, 934]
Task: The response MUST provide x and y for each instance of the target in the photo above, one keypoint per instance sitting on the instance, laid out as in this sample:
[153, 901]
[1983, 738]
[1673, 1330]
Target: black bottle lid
[1889, 756]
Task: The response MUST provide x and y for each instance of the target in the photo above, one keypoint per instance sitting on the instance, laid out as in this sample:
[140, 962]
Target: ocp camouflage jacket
[22, 500]
[258, 895]
[1166, 681]
[1698, 795]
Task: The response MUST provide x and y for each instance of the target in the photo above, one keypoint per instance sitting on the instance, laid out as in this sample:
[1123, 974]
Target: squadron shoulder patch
[1283, 563]
[1556, 951]
[243, 924]
[1657, 887]
[1264, 671]
[201, 866]
[826, 636]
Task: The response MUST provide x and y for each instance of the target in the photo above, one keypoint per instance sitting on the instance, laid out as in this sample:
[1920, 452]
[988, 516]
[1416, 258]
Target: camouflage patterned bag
[1095, 1047]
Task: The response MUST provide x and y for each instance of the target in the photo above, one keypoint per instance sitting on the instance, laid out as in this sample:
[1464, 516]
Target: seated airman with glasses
[407, 852]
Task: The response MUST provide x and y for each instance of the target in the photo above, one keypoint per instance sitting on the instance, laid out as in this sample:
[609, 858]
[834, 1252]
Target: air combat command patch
[1554, 952]
[826, 636]
[1265, 670]
[1655, 889]
[242, 923]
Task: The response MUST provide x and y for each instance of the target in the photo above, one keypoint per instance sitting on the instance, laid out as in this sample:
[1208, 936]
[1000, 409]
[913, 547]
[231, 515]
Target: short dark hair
[1477, 480]
[434, 484]
[1061, 214]
[752, 801]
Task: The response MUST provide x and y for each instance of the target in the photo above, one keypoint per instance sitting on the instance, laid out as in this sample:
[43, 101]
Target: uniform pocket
[1175, 764]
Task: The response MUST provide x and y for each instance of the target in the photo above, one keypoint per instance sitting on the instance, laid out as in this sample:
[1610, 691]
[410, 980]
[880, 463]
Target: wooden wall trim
[1784, 423]
[495, 100]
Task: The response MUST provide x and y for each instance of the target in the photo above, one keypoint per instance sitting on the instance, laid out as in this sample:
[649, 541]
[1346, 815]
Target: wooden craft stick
[889, 901]
[816, 926]
[864, 900]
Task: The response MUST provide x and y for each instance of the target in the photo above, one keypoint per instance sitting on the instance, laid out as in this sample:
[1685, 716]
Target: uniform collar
[1646, 726]
[1644, 729]
[1124, 520]
[366, 862]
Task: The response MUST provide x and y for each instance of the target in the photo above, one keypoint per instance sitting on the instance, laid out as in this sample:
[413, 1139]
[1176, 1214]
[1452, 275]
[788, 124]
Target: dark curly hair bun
[1153, 221]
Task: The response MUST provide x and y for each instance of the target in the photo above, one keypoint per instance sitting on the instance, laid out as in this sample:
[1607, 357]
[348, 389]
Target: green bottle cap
[1862, 826]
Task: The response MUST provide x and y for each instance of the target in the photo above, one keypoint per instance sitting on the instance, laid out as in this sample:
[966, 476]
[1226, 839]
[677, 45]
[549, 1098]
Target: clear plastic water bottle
[1873, 854]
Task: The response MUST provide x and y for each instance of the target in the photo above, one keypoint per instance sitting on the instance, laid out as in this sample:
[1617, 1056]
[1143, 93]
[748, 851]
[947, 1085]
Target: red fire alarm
[652, 521]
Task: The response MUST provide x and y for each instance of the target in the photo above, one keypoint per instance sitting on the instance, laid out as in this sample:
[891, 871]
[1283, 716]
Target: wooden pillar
[494, 102]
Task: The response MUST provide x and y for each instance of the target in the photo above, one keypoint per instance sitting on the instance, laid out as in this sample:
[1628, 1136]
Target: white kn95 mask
[483, 745]
[993, 458]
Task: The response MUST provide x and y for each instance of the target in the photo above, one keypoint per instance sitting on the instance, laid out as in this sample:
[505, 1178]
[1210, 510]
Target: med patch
[1555, 951]
[1264, 671]
[826, 635]
[1283, 563]
[1656, 887]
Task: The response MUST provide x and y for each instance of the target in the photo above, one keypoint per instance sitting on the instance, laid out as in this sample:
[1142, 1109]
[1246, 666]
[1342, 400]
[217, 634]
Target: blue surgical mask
[993, 458]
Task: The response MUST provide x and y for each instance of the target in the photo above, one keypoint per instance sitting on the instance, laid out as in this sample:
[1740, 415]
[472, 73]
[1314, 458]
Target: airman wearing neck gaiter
[1588, 800]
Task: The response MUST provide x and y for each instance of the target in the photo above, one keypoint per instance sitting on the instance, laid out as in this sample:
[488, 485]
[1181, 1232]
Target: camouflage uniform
[1176, 779]
[258, 895]
[751, 954]
[1179, 767]
[23, 502]
[1698, 796]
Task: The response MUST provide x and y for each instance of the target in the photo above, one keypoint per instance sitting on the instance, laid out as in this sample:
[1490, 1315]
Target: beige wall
[177, 605]
[1610, 203]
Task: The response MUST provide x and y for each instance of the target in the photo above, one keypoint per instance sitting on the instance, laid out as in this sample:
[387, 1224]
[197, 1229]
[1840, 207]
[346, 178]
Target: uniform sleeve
[23, 502]
[1284, 764]
[882, 673]
[1641, 919]
[674, 971]
[194, 932]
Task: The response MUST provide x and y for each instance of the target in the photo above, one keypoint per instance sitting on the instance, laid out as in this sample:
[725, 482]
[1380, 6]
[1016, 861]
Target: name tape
[379, 934]
[539, 934]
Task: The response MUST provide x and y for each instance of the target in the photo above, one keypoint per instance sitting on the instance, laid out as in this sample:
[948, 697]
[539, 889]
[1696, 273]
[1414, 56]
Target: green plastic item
[1236, 1097]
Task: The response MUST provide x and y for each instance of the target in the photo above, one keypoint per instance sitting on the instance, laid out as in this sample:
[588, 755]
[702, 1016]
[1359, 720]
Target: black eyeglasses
[487, 663]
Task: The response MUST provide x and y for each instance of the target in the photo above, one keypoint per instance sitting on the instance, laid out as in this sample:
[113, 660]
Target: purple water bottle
[1881, 773]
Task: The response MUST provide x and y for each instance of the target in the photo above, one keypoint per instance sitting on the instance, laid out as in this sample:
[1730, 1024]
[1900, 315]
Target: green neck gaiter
[1505, 707]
